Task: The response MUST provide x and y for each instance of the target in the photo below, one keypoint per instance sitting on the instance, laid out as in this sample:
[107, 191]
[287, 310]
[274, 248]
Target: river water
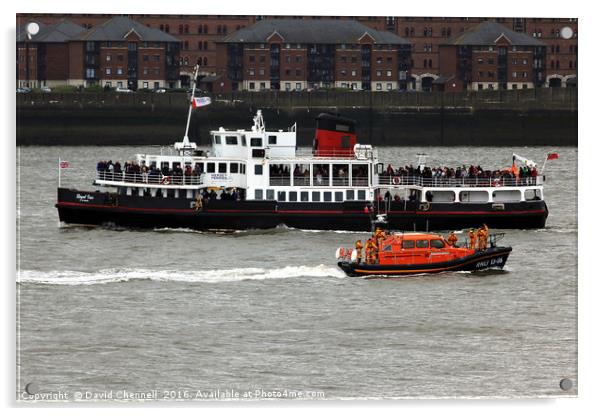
[117, 314]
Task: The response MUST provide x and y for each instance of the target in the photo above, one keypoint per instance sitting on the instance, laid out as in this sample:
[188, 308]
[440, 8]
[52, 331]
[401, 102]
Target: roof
[117, 28]
[311, 31]
[61, 31]
[487, 33]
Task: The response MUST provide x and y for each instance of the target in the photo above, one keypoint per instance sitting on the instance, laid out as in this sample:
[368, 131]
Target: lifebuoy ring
[166, 180]
[396, 180]
[425, 206]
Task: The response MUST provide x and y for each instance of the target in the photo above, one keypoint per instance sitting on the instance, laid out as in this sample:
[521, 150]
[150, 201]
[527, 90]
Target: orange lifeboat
[402, 254]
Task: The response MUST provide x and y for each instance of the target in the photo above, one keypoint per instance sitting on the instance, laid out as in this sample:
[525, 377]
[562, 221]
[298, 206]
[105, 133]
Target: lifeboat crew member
[358, 248]
[472, 237]
[452, 239]
[379, 234]
[482, 236]
[370, 251]
[485, 236]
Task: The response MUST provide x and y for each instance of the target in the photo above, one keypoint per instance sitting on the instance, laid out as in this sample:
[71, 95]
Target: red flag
[552, 156]
[64, 164]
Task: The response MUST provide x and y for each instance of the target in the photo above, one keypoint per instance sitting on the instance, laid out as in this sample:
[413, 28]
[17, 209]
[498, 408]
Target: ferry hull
[95, 208]
[494, 257]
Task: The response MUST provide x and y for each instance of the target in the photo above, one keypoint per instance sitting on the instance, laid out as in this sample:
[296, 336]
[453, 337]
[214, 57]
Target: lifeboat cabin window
[232, 140]
[258, 193]
[256, 142]
[210, 167]
[315, 196]
[218, 139]
[222, 168]
[233, 167]
[272, 139]
[437, 244]
[422, 243]
[387, 248]
[407, 244]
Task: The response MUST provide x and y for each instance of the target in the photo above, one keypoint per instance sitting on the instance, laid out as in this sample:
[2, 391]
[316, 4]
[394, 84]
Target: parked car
[23, 90]
[123, 89]
[46, 88]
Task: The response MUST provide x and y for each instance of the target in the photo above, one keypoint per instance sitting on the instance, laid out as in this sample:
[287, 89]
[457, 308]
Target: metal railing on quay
[149, 178]
[406, 180]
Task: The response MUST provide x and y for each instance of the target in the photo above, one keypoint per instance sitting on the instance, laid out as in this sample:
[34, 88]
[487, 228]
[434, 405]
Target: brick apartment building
[293, 54]
[491, 56]
[199, 37]
[119, 52]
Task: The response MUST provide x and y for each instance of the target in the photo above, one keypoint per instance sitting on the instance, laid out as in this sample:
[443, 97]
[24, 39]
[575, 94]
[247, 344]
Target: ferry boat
[256, 178]
[403, 254]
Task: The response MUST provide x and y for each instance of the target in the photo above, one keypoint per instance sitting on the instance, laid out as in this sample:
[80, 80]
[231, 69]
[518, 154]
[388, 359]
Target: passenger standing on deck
[472, 237]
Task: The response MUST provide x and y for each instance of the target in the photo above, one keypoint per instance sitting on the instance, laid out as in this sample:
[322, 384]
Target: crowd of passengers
[134, 172]
[464, 175]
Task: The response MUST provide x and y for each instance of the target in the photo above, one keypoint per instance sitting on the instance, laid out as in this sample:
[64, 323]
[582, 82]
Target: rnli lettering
[489, 263]
[84, 197]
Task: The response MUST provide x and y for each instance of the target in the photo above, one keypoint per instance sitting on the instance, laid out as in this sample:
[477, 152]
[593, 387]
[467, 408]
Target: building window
[353, 72]
[119, 71]
[389, 73]
[344, 72]
[108, 71]
[262, 71]
[251, 58]
[287, 86]
[251, 71]
[145, 84]
[108, 58]
[379, 86]
[251, 85]
[298, 86]
[378, 73]
[389, 86]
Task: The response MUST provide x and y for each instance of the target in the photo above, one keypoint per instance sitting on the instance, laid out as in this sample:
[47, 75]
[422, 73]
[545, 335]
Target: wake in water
[72, 277]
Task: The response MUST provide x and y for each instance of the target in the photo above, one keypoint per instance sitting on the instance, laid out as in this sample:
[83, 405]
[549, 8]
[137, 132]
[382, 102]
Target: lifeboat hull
[492, 258]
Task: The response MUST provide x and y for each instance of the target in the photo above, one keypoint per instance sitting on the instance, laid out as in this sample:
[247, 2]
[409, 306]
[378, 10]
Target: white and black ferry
[259, 179]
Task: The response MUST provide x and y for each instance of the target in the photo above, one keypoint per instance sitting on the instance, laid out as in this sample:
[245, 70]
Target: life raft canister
[424, 206]
[166, 180]
[396, 180]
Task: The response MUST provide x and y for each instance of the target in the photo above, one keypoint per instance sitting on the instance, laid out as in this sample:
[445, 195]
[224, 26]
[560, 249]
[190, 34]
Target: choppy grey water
[174, 314]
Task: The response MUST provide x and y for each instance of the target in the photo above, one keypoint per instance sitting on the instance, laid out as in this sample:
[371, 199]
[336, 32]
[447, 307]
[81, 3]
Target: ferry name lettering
[84, 197]
[221, 177]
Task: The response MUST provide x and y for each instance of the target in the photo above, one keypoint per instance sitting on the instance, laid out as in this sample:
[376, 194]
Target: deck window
[361, 195]
[243, 168]
[315, 196]
[422, 243]
[304, 196]
[272, 139]
[280, 175]
[243, 140]
[211, 167]
[292, 196]
[222, 168]
[281, 196]
[321, 175]
[407, 244]
[338, 196]
[199, 167]
[258, 193]
[218, 139]
[301, 175]
[327, 196]
[437, 244]
[233, 167]
[269, 194]
[232, 140]
[258, 169]
[359, 175]
[256, 142]
[340, 175]
[350, 195]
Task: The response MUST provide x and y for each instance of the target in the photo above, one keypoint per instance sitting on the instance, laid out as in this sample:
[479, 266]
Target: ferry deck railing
[285, 180]
[149, 178]
[413, 180]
